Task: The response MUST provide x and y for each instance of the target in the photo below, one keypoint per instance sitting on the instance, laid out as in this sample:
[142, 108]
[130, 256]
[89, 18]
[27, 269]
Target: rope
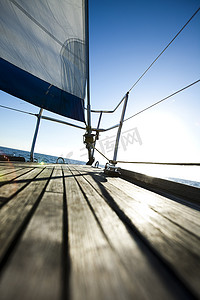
[164, 49]
[99, 152]
[186, 87]
[140, 113]
[158, 163]
[22, 111]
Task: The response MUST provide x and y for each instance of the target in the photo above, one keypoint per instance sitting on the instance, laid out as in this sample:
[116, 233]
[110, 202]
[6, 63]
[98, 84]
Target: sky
[125, 38]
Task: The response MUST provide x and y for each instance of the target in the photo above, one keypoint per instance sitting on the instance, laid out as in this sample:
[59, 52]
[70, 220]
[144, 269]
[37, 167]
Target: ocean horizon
[38, 157]
[188, 175]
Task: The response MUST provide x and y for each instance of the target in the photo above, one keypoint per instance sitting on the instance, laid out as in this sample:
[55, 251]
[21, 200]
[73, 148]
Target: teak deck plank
[174, 211]
[69, 232]
[4, 171]
[175, 245]
[93, 269]
[171, 210]
[140, 265]
[56, 183]
[15, 213]
[38, 257]
[14, 174]
[17, 182]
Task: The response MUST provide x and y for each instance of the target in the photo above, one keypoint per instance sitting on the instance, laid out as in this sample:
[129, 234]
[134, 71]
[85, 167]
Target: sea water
[185, 174]
[38, 157]
[189, 175]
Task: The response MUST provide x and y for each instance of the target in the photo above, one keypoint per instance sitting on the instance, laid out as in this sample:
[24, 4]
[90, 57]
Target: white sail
[42, 51]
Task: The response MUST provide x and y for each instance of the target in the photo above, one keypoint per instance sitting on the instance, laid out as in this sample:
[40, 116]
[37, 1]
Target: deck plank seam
[133, 230]
[8, 173]
[175, 223]
[21, 229]
[7, 199]
[174, 197]
[93, 212]
[186, 193]
[144, 246]
[65, 251]
[66, 266]
[52, 192]
[188, 250]
[171, 196]
[2, 183]
[165, 217]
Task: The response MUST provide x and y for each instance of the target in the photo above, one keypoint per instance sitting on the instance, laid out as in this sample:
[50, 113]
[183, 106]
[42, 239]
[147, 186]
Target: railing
[88, 128]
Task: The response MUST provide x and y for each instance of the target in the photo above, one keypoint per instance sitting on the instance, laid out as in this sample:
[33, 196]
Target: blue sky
[125, 37]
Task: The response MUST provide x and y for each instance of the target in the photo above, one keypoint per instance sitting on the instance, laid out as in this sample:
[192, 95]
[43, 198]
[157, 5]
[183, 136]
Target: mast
[88, 137]
[87, 63]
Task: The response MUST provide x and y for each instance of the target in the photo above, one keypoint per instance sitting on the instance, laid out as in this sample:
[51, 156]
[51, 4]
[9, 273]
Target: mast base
[90, 161]
[89, 140]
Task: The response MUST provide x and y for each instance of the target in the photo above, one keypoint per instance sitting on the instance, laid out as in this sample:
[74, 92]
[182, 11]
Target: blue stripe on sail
[30, 88]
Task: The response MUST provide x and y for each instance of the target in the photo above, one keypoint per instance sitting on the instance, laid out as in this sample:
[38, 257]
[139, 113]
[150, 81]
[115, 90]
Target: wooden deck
[69, 232]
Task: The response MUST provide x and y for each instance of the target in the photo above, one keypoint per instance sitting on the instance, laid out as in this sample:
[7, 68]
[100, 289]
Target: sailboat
[74, 232]
[45, 63]
[48, 64]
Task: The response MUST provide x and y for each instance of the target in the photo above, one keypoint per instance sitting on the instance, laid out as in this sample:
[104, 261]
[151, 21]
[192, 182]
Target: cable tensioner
[111, 170]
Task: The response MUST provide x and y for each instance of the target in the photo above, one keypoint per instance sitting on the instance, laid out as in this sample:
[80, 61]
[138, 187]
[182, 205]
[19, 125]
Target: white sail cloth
[46, 40]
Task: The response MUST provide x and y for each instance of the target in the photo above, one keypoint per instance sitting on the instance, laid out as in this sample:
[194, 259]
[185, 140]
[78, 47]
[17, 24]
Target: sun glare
[164, 138]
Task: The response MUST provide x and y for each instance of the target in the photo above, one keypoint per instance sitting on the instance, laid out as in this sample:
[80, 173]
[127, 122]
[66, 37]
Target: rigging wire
[100, 152]
[158, 102]
[99, 111]
[159, 163]
[164, 50]
[22, 111]
[154, 104]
